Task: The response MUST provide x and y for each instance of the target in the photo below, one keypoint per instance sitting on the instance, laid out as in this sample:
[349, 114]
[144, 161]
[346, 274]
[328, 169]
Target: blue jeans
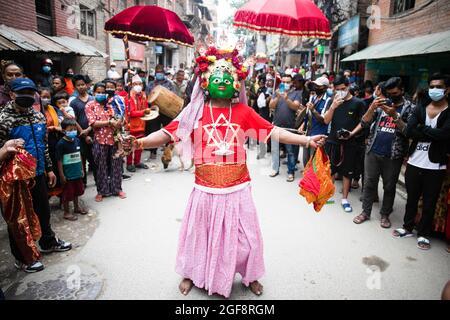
[292, 156]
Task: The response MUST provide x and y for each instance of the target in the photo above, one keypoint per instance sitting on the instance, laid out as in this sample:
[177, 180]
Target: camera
[388, 102]
[343, 133]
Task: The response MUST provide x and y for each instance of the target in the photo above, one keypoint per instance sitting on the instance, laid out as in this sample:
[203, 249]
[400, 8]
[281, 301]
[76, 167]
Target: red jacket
[138, 103]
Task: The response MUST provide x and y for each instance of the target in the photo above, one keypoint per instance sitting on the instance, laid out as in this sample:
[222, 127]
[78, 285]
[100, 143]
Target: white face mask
[341, 94]
[137, 88]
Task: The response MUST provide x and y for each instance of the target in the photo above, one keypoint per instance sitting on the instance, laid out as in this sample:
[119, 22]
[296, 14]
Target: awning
[25, 40]
[430, 43]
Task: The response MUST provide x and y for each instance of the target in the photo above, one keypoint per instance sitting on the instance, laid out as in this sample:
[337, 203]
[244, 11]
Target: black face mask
[25, 101]
[69, 75]
[110, 92]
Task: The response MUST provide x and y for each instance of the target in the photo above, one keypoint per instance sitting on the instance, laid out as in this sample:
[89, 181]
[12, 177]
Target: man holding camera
[345, 115]
[387, 146]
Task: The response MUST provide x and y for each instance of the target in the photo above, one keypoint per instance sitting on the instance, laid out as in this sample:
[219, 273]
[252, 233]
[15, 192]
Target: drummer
[138, 108]
[162, 120]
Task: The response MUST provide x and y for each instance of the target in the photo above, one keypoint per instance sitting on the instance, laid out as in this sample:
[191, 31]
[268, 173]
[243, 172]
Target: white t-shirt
[420, 156]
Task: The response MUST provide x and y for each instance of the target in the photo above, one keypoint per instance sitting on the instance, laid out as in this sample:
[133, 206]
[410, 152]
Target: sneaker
[126, 177]
[60, 246]
[131, 168]
[347, 207]
[34, 267]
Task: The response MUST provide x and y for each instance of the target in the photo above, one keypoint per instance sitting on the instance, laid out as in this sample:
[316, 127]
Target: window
[87, 22]
[403, 5]
[44, 17]
[122, 4]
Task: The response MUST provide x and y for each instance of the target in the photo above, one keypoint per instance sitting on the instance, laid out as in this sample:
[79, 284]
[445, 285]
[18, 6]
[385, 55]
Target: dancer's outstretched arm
[287, 137]
[153, 140]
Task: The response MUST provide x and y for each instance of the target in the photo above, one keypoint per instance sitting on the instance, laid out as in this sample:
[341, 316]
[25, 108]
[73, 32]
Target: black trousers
[155, 125]
[87, 155]
[426, 183]
[41, 206]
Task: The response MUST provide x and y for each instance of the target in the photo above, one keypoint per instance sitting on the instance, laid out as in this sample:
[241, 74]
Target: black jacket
[439, 136]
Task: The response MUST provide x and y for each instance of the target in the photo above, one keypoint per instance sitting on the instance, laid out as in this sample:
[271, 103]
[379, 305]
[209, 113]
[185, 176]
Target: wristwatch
[397, 117]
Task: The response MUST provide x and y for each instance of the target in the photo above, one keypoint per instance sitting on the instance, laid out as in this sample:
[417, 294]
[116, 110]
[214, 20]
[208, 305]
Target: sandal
[122, 195]
[361, 218]
[70, 217]
[401, 233]
[98, 198]
[81, 211]
[423, 243]
[290, 178]
[274, 174]
[385, 222]
[141, 166]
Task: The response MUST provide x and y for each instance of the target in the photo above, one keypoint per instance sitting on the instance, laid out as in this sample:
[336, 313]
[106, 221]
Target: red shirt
[96, 112]
[245, 122]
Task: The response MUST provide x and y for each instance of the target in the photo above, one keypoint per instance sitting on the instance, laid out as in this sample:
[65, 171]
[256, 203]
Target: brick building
[411, 40]
[33, 30]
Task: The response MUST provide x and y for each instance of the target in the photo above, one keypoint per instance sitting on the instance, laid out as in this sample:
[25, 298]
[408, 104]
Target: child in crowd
[61, 102]
[68, 155]
[120, 89]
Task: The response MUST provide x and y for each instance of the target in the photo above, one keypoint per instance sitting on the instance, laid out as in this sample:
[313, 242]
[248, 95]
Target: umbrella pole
[127, 55]
[276, 64]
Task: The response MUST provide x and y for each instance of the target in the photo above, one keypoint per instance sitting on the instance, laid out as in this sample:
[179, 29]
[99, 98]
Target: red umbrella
[149, 23]
[301, 18]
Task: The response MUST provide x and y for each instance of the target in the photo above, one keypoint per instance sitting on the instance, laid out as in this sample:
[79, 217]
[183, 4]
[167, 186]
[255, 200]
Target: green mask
[221, 86]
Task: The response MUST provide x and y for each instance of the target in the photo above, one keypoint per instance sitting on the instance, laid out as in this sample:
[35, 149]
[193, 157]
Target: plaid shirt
[400, 143]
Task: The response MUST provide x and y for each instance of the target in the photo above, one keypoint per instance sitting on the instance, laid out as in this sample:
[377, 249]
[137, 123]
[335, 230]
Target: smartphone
[281, 88]
[388, 102]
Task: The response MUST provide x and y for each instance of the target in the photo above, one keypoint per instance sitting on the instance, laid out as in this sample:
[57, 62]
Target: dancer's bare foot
[185, 286]
[256, 288]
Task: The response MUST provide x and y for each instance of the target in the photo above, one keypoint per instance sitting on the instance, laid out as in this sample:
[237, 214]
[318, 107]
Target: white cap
[113, 64]
[136, 79]
[322, 81]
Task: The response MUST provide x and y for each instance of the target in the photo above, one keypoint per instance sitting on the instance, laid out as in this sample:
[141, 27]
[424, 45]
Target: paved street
[308, 255]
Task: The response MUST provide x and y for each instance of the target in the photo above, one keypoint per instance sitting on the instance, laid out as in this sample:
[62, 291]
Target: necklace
[224, 146]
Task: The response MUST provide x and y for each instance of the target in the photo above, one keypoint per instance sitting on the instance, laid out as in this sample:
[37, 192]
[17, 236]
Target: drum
[168, 102]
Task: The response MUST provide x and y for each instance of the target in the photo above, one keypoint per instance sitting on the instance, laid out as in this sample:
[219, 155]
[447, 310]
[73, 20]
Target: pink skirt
[219, 237]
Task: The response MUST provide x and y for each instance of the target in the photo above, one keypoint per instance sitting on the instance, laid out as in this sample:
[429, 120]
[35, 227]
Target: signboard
[137, 51]
[117, 49]
[349, 32]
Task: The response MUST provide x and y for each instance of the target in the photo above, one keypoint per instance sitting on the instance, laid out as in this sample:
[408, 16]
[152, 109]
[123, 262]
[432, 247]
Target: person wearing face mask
[53, 117]
[138, 108]
[70, 168]
[19, 120]
[387, 146]
[45, 78]
[285, 103]
[344, 115]
[429, 128]
[112, 72]
[103, 119]
[313, 122]
[68, 81]
[163, 120]
[9, 71]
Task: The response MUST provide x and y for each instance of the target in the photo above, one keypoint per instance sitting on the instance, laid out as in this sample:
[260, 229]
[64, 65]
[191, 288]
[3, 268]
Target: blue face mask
[46, 69]
[72, 134]
[329, 92]
[101, 97]
[436, 94]
[160, 76]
